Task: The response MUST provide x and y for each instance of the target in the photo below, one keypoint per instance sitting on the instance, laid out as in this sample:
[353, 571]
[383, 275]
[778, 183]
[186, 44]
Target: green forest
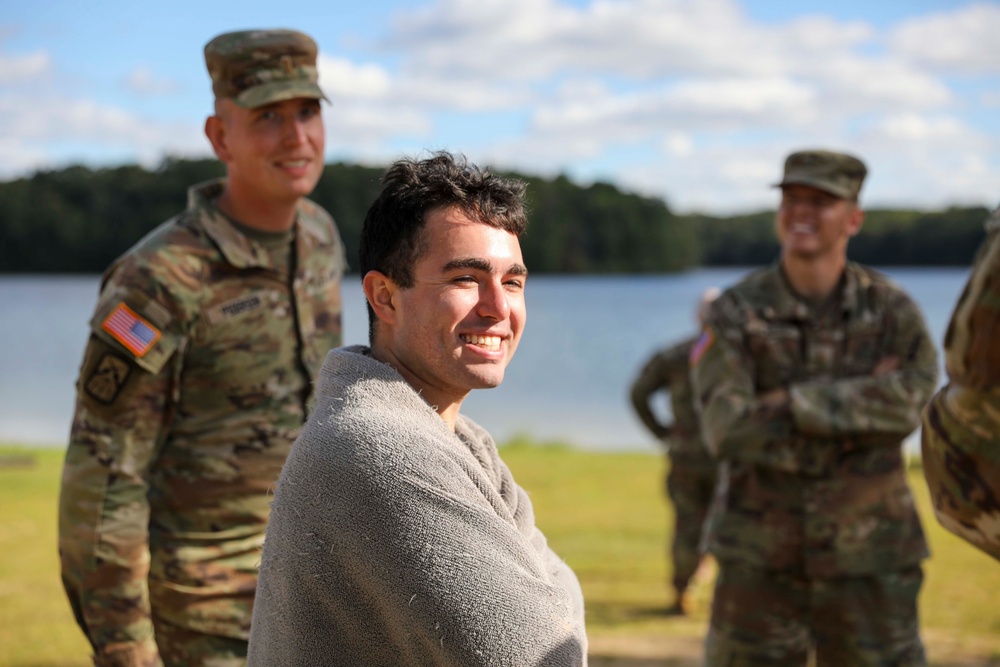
[78, 219]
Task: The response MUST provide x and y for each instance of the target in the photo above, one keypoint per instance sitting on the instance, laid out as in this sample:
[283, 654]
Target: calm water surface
[585, 339]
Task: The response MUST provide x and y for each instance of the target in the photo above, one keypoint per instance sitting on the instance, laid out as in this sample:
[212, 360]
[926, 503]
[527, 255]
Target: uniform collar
[786, 305]
[238, 250]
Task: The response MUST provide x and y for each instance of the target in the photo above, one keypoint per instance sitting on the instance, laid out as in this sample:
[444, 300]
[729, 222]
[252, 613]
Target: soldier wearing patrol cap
[961, 434]
[198, 375]
[810, 373]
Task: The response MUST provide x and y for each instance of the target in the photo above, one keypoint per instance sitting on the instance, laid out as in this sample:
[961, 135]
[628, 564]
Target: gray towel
[395, 541]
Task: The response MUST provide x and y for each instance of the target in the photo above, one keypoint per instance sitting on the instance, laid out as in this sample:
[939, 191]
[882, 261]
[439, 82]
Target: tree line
[79, 219]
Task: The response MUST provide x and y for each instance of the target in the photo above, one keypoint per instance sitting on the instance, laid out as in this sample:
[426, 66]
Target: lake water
[585, 339]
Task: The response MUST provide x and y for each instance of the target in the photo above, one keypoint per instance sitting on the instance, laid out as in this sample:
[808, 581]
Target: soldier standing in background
[810, 374]
[961, 434]
[691, 478]
[197, 375]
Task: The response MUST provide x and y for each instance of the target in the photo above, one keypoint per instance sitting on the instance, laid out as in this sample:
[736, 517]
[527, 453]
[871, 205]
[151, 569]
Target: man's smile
[491, 343]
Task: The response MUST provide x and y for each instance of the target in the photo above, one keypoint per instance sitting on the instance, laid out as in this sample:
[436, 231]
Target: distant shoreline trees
[78, 220]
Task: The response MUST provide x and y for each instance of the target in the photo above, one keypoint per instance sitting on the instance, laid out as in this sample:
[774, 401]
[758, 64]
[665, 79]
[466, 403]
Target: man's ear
[380, 290]
[215, 130]
[857, 220]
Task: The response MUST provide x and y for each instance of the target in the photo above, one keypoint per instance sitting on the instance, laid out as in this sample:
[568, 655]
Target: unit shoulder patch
[105, 382]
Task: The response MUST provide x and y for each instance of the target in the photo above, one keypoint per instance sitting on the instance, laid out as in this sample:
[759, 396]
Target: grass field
[604, 513]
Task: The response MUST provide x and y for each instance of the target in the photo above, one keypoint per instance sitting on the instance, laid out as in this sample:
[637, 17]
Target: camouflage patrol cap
[257, 67]
[837, 173]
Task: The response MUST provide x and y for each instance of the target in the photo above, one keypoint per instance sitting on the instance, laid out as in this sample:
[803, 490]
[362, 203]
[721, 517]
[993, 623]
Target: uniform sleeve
[960, 446]
[654, 377]
[734, 423]
[868, 405]
[960, 439]
[122, 410]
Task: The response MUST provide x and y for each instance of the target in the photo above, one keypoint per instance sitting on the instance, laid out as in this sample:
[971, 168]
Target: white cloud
[822, 34]
[63, 127]
[711, 106]
[143, 82]
[471, 95]
[708, 99]
[918, 178]
[964, 40]
[931, 160]
[367, 126]
[345, 81]
[624, 70]
[990, 99]
[636, 39]
[916, 160]
[342, 79]
[745, 98]
[715, 178]
[540, 155]
[20, 157]
[24, 68]
[912, 127]
[729, 177]
[691, 100]
[461, 37]
[857, 84]
[692, 105]
[678, 144]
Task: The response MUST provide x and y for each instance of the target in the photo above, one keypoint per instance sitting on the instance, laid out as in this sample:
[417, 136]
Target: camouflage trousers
[183, 647]
[690, 487]
[776, 619]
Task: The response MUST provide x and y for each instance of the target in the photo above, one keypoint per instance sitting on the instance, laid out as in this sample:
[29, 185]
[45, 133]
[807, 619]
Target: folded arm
[888, 400]
[735, 420]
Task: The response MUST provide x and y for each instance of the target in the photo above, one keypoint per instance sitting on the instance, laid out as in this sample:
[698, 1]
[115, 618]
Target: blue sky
[694, 101]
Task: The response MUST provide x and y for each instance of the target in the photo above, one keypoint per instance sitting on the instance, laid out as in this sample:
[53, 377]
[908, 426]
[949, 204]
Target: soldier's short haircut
[391, 239]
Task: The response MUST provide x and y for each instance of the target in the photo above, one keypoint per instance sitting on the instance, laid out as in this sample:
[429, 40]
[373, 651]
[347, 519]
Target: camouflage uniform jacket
[668, 370]
[961, 436]
[815, 487]
[184, 417]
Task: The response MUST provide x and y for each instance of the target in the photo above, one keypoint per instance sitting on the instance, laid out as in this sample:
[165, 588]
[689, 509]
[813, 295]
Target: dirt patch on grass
[673, 651]
[646, 652]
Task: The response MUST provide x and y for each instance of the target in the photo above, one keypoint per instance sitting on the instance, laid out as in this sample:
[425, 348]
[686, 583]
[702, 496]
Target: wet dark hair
[391, 239]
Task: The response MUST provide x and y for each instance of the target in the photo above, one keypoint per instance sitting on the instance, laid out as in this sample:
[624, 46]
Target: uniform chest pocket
[863, 347]
[243, 332]
[776, 349]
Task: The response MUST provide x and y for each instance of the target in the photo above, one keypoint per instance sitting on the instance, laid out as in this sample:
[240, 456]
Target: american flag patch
[701, 346]
[131, 330]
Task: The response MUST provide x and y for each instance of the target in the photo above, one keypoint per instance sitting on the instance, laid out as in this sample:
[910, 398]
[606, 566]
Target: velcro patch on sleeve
[701, 346]
[107, 379]
[131, 330]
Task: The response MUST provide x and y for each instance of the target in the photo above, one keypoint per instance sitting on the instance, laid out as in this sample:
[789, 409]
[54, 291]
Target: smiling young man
[398, 536]
[198, 374]
[809, 375]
